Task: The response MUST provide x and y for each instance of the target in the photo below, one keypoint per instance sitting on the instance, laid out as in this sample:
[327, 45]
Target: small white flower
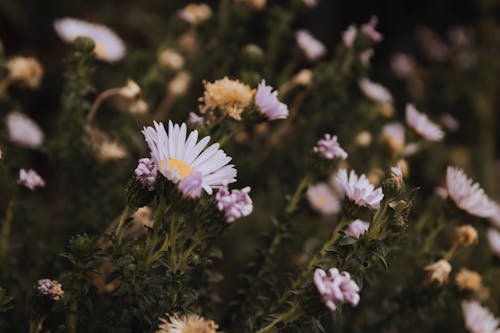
[358, 189]
[374, 91]
[422, 124]
[24, 131]
[479, 319]
[312, 48]
[30, 179]
[195, 13]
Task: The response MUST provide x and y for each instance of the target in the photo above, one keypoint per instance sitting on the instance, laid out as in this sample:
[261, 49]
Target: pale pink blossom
[268, 104]
[146, 172]
[30, 179]
[357, 228]
[369, 30]
[23, 131]
[403, 65]
[329, 148]
[191, 185]
[234, 203]
[479, 319]
[323, 199]
[336, 288]
[422, 125]
[494, 241]
[374, 91]
[349, 35]
[312, 48]
[358, 189]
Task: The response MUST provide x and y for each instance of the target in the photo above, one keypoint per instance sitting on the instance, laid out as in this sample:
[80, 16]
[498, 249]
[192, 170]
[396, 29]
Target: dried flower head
[479, 319]
[422, 125]
[231, 96]
[358, 189]
[234, 203]
[179, 84]
[323, 199]
[329, 148]
[466, 235]
[336, 288]
[190, 323]
[303, 78]
[139, 106]
[130, 90]
[467, 195]
[268, 104]
[30, 179]
[195, 13]
[438, 271]
[50, 288]
[26, 71]
[171, 59]
[108, 46]
[357, 228]
[312, 48]
[468, 280]
[394, 135]
[376, 92]
[23, 131]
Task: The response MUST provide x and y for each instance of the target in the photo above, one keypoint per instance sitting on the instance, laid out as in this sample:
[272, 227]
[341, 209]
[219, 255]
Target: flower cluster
[329, 148]
[234, 203]
[336, 288]
[50, 288]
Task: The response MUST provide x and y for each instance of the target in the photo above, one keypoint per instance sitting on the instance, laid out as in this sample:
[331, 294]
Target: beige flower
[195, 13]
[26, 71]
[466, 235]
[171, 59]
[186, 324]
[468, 280]
[255, 4]
[438, 271]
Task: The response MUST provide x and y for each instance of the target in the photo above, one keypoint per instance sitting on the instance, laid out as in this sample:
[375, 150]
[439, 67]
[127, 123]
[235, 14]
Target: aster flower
[357, 228]
[312, 48]
[194, 119]
[234, 203]
[329, 148]
[479, 319]
[494, 241]
[422, 124]
[394, 134]
[108, 46]
[146, 172]
[191, 185]
[349, 35]
[322, 199]
[358, 189]
[375, 91]
[171, 59]
[190, 323]
[177, 157]
[438, 271]
[232, 96]
[195, 13]
[25, 70]
[30, 179]
[268, 104]
[50, 288]
[467, 195]
[23, 131]
[336, 288]
[369, 30]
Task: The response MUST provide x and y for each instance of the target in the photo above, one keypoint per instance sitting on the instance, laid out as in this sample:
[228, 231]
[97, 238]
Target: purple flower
[479, 319]
[191, 185]
[336, 288]
[357, 228]
[358, 189]
[194, 120]
[146, 172]
[369, 30]
[267, 101]
[235, 203]
[329, 148]
[422, 125]
[349, 35]
[312, 48]
[323, 199]
[30, 179]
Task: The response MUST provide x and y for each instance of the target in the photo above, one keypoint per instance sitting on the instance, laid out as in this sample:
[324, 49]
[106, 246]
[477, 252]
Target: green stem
[292, 204]
[127, 212]
[172, 240]
[36, 324]
[376, 226]
[73, 317]
[293, 314]
[6, 228]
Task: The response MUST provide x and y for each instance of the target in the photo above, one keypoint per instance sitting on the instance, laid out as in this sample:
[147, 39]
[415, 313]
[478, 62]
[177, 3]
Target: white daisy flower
[177, 157]
[358, 189]
[479, 319]
[108, 46]
[23, 131]
[422, 124]
[467, 195]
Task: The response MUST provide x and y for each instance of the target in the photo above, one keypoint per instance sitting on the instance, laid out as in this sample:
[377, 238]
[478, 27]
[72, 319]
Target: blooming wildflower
[349, 35]
[255, 4]
[312, 48]
[467, 195]
[329, 148]
[375, 91]
[108, 46]
[194, 120]
[108, 150]
[336, 288]
[310, 3]
[438, 271]
[268, 104]
[195, 13]
[358, 189]
[25, 70]
[171, 59]
[479, 319]
[422, 124]
[394, 134]
[146, 172]
[303, 78]
[322, 199]
[402, 65]
[411, 149]
[369, 30]
[397, 174]
[23, 130]
[191, 185]
[187, 324]
[179, 84]
[363, 139]
[357, 228]
[232, 96]
[494, 241]
[177, 156]
[450, 122]
[468, 280]
[50, 288]
[30, 179]
[365, 56]
[466, 235]
[234, 203]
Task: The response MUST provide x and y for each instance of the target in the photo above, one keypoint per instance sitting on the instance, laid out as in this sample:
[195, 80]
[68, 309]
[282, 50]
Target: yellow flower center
[183, 169]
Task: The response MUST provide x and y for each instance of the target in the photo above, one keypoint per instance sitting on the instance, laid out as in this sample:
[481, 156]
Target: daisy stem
[293, 314]
[99, 100]
[6, 227]
[127, 212]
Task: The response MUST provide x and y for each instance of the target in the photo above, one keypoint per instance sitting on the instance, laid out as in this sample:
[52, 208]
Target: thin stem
[293, 314]
[172, 240]
[99, 100]
[127, 212]
[376, 225]
[6, 228]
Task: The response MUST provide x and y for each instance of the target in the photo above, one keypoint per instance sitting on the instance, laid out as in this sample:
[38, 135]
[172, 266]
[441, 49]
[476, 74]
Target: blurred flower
[479, 319]
[30, 179]
[369, 30]
[25, 70]
[323, 199]
[349, 35]
[465, 235]
[268, 104]
[232, 96]
[303, 78]
[432, 45]
[190, 186]
[146, 172]
[397, 174]
[336, 288]
[450, 122]
[375, 91]
[403, 165]
[234, 203]
[467, 195]
[394, 134]
[438, 271]
[138, 106]
[23, 131]
[403, 65]
[179, 84]
[194, 120]
[468, 280]
[365, 56]
[255, 4]
[130, 90]
[50, 288]
[171, 59]
[312, 48]
[494, 241]
[108, 46]
[108, 150]
[412, 148]
[359, 190]
[187, 324]
[363, 139]
[357, 228]
[177, 157]
[310, 3]
[329, 148]
[195, 13]
[441, 192]
[422, 124]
